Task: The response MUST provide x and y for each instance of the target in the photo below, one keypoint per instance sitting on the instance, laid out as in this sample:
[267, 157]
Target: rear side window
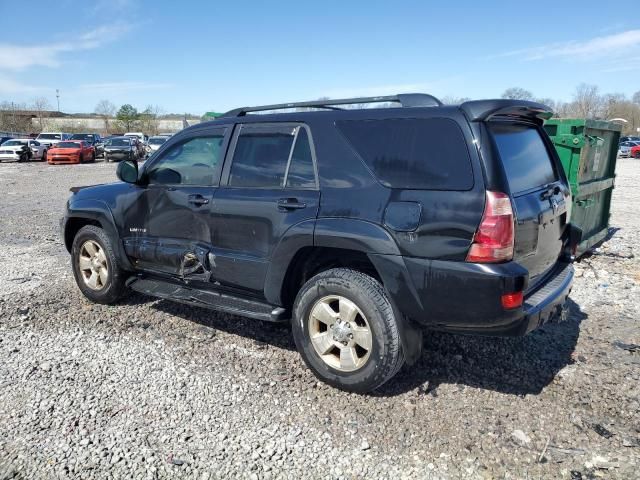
[261, 156]
[429, 154]
[265, 157]
[524, 155]
[301, 173]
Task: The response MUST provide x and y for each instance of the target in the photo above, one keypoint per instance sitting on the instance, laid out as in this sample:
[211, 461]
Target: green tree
[517, 93]
[128, 117]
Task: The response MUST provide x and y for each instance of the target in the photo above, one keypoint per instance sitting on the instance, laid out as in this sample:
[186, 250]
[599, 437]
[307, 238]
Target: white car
[22, 150]
[624, 149]
[51, 138]
[155, 143]
[141, 136]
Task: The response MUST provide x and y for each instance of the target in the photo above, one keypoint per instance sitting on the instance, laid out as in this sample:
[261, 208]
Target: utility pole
[13, 126]
[58, 98]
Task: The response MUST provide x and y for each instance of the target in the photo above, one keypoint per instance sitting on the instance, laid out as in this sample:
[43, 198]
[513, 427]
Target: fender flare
[348, 234]
[98, 211]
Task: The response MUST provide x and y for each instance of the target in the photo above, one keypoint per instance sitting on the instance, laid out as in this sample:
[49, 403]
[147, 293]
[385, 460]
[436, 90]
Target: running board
[208, 299]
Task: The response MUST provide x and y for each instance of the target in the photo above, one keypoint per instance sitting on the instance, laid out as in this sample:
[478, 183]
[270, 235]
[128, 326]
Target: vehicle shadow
[517, 365]
[276, 334]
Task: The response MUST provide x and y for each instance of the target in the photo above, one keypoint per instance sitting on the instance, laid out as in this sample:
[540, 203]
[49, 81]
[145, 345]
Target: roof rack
[404, 99]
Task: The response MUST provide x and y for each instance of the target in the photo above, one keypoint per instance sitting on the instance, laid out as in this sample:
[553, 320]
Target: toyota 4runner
[362, 227]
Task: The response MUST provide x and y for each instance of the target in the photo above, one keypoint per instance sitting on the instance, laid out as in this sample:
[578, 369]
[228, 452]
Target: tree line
[588, 102]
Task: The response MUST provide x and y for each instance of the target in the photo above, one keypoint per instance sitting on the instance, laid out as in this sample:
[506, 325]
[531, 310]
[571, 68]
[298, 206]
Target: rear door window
[261, 156]
[265, 156]
[427, 153]
[301, 173]
[524, 155]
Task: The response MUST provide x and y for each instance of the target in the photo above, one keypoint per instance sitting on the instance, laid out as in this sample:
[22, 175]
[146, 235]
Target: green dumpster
[588, 150]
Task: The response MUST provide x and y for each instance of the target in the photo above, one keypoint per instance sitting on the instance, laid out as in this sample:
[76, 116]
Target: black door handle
[285, 204]
[198, 200]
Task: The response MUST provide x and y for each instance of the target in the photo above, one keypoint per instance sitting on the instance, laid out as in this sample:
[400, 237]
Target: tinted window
[301, 173]
[118, 142]
[524, 155]
[260, 157]
[194, 162]
[49, 136]
[412, 153]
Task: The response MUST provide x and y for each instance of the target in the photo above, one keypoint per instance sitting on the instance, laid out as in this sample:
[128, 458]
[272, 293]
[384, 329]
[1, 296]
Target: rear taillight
[493, 241]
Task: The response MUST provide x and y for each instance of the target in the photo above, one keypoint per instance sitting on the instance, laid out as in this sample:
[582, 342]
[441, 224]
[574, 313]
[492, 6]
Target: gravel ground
[151, 389]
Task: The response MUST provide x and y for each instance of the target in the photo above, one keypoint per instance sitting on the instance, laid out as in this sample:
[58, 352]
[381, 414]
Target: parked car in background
[630, 139]
[401, 221]
[71, 151]
[22, 150]
[51, 138]
[635, 151]
[155, 143]
[91, 139]
[4, 139]
[624, 148]
[139, 135]
[120, 148]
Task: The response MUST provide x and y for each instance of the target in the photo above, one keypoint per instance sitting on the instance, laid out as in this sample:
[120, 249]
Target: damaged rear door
[170, 224]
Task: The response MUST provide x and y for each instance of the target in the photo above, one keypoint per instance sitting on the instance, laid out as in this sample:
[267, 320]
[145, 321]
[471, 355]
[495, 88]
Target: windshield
[118, 142]
[68, 145]
[12, 143]
[49, 136]
[524, 155]
[82, 136]
[157, 141]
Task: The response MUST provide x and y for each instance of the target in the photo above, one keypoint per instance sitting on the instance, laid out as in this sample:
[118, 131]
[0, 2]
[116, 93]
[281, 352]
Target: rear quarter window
[424, 154]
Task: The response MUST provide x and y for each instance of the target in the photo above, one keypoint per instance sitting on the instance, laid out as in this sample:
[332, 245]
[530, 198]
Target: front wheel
[345, 330]
[44, 156]
[95, 266]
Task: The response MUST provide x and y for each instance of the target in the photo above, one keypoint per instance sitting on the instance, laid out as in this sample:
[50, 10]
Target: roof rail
[404, 99]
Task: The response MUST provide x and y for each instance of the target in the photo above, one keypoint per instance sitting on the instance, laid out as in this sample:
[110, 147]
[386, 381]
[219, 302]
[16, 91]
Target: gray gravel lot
[151, 389]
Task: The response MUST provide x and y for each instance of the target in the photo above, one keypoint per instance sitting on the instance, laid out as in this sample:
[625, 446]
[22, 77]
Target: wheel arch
[93, 212]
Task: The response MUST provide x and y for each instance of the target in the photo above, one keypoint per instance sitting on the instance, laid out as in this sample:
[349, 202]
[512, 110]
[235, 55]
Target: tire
[106, 158]
[93, 157]
[369, 369]
[43, 158]
[110, 286]
[636, 155]
[81, 160]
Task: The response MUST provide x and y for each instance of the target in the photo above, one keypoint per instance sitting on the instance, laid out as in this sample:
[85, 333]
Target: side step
[208, 299]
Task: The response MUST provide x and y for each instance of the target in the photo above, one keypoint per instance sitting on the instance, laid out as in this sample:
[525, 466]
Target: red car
[71, 151]
[635, 152]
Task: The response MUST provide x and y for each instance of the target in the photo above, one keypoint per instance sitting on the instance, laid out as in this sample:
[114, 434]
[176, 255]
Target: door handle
[285, 204]
[198, 200]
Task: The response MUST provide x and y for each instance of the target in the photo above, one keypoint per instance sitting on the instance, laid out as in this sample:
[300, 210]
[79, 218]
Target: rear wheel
[95, 267]
[346, 331]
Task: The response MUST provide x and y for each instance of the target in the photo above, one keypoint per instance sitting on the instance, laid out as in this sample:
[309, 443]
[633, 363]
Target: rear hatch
[539, 195]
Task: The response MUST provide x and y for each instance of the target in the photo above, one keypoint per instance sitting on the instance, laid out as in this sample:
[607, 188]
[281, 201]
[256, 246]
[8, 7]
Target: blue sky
[194, 56]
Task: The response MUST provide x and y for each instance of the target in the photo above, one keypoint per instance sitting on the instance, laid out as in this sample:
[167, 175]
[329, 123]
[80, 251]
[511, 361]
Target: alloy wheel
[340, 333]
[93, 265]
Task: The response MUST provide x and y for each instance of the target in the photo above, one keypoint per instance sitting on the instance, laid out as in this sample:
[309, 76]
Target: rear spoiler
[483, 110]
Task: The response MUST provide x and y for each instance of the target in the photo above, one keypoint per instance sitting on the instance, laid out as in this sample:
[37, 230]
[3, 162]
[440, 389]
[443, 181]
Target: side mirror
[127, 171]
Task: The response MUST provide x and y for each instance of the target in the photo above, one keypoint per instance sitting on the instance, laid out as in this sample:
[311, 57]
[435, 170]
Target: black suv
[360, 226]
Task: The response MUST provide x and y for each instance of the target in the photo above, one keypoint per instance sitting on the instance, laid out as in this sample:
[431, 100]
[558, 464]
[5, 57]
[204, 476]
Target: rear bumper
[466, 298]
